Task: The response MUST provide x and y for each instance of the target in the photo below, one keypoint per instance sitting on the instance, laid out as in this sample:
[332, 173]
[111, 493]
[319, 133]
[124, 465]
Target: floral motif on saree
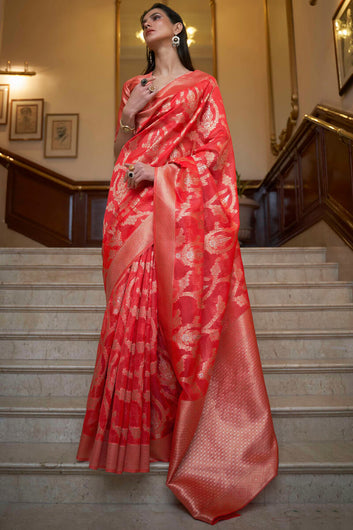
[178, 376]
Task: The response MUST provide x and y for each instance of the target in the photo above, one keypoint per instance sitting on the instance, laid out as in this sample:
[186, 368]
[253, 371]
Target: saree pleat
[178, 376]
[118, 428]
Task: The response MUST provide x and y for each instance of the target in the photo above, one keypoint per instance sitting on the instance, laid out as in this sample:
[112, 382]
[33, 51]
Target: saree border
[138, 242]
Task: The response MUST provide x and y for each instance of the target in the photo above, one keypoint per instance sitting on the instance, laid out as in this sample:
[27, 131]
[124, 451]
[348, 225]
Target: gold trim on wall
[117, 58]
[214, 37]
[287, 131]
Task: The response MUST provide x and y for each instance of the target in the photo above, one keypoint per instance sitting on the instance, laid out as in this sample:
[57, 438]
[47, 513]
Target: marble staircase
[52, 304]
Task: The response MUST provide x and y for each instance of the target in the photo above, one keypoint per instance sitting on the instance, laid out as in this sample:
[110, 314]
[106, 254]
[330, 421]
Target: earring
[175, 41]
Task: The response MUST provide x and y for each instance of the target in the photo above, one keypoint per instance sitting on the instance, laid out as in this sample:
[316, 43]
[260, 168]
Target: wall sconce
[25, 71]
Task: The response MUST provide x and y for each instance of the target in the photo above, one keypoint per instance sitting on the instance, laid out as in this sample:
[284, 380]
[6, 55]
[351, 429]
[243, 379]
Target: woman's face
[157, 27]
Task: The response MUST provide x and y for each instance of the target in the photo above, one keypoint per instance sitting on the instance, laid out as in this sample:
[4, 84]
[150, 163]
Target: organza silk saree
[178, 376]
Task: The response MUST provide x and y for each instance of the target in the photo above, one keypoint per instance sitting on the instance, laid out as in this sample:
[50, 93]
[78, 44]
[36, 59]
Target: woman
[177, 376]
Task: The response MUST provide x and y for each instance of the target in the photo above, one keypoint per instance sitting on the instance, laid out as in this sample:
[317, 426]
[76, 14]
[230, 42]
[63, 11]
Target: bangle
[126, 128]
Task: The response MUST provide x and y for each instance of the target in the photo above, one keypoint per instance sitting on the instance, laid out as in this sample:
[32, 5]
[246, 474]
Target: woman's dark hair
[182, 49]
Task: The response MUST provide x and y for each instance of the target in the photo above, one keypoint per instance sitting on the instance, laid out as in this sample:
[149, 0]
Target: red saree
[178, 376]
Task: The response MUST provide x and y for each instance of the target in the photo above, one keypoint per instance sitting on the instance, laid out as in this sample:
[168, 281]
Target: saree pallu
[178, 376]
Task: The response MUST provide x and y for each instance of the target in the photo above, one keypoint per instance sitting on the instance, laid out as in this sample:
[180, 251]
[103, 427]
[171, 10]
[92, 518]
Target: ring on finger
[151, 88]
[131, 167]
[144, 81]
[130, 174]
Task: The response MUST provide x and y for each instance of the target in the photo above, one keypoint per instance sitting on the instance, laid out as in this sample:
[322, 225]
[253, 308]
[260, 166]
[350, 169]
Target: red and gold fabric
[178, 376]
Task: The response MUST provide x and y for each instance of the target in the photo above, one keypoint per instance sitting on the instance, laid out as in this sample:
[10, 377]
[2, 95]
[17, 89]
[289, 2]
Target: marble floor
[171, 517]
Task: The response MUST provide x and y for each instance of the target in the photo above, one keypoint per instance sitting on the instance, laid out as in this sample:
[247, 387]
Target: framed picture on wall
[4, 103]
[61, 135]
[26, 119]
[343, 38]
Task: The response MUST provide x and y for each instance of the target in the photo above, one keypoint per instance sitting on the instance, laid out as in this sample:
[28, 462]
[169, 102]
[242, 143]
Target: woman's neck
[168, 63]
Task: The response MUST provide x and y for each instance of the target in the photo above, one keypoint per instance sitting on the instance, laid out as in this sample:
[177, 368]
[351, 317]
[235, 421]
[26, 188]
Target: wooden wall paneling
[261, 223]
[38, 210]
[339, 170]
[290, 194]
[316, 175]
[274, 195]
[50, 208]
[96, 204]
[80, 218]
[309, 174]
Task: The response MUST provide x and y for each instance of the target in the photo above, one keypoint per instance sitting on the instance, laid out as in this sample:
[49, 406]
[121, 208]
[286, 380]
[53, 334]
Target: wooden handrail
[7, 158]
[311, 180]
[341, 132]
[338, 130]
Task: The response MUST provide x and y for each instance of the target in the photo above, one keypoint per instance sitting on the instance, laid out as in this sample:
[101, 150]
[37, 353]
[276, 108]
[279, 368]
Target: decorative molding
[277, 145]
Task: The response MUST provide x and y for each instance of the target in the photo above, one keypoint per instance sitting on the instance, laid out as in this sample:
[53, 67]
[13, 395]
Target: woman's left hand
[141, 172]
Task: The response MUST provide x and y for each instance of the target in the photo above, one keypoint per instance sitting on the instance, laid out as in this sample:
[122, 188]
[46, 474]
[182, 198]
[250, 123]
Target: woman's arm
[131, 104]
[124, 134]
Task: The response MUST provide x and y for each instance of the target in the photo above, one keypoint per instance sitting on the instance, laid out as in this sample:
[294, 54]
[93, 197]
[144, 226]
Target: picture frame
[342, 22]
[4, 103]
[61, 136]
[26, 119]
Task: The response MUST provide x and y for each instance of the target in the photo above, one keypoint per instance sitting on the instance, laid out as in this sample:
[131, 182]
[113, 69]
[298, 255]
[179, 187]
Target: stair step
[38, 377]
[310, 457]
[85, 366]
[304, 322]
[300, 293]
[92, 256]
[95, 516]
[317, 316]
[259, 293]
[48, 473]
[283, 272]
[60, 344]
[59, 419]
[76, 406]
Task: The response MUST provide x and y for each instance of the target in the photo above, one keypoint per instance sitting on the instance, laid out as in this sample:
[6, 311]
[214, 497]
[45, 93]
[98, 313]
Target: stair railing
[50, 208]
[311, 180]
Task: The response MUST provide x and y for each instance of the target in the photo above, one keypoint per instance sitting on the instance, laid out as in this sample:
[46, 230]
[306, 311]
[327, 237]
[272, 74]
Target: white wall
[243, 82]
[317, 77]
[71, 46]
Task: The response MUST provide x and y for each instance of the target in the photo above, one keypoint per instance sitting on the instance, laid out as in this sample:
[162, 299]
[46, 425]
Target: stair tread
[95, 285]
[64, 454]
[98, 250]
[88, 364]
[80, 334]
[70, 266]
[278, 403]
[255, 307]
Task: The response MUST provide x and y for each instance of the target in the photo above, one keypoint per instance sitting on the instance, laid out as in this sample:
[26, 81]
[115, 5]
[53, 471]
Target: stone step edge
[98, 250]
[348, 306]
[251, 285]
[339, 284]
[161, 468]
[92, 335]
[269, 366]
[83, 268]
[79, 412]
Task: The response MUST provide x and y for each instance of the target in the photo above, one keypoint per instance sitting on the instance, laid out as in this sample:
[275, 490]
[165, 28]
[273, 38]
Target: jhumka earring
[175, 41]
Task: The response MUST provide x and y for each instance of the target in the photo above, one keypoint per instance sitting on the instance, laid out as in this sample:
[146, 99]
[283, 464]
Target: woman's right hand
[138, 99]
